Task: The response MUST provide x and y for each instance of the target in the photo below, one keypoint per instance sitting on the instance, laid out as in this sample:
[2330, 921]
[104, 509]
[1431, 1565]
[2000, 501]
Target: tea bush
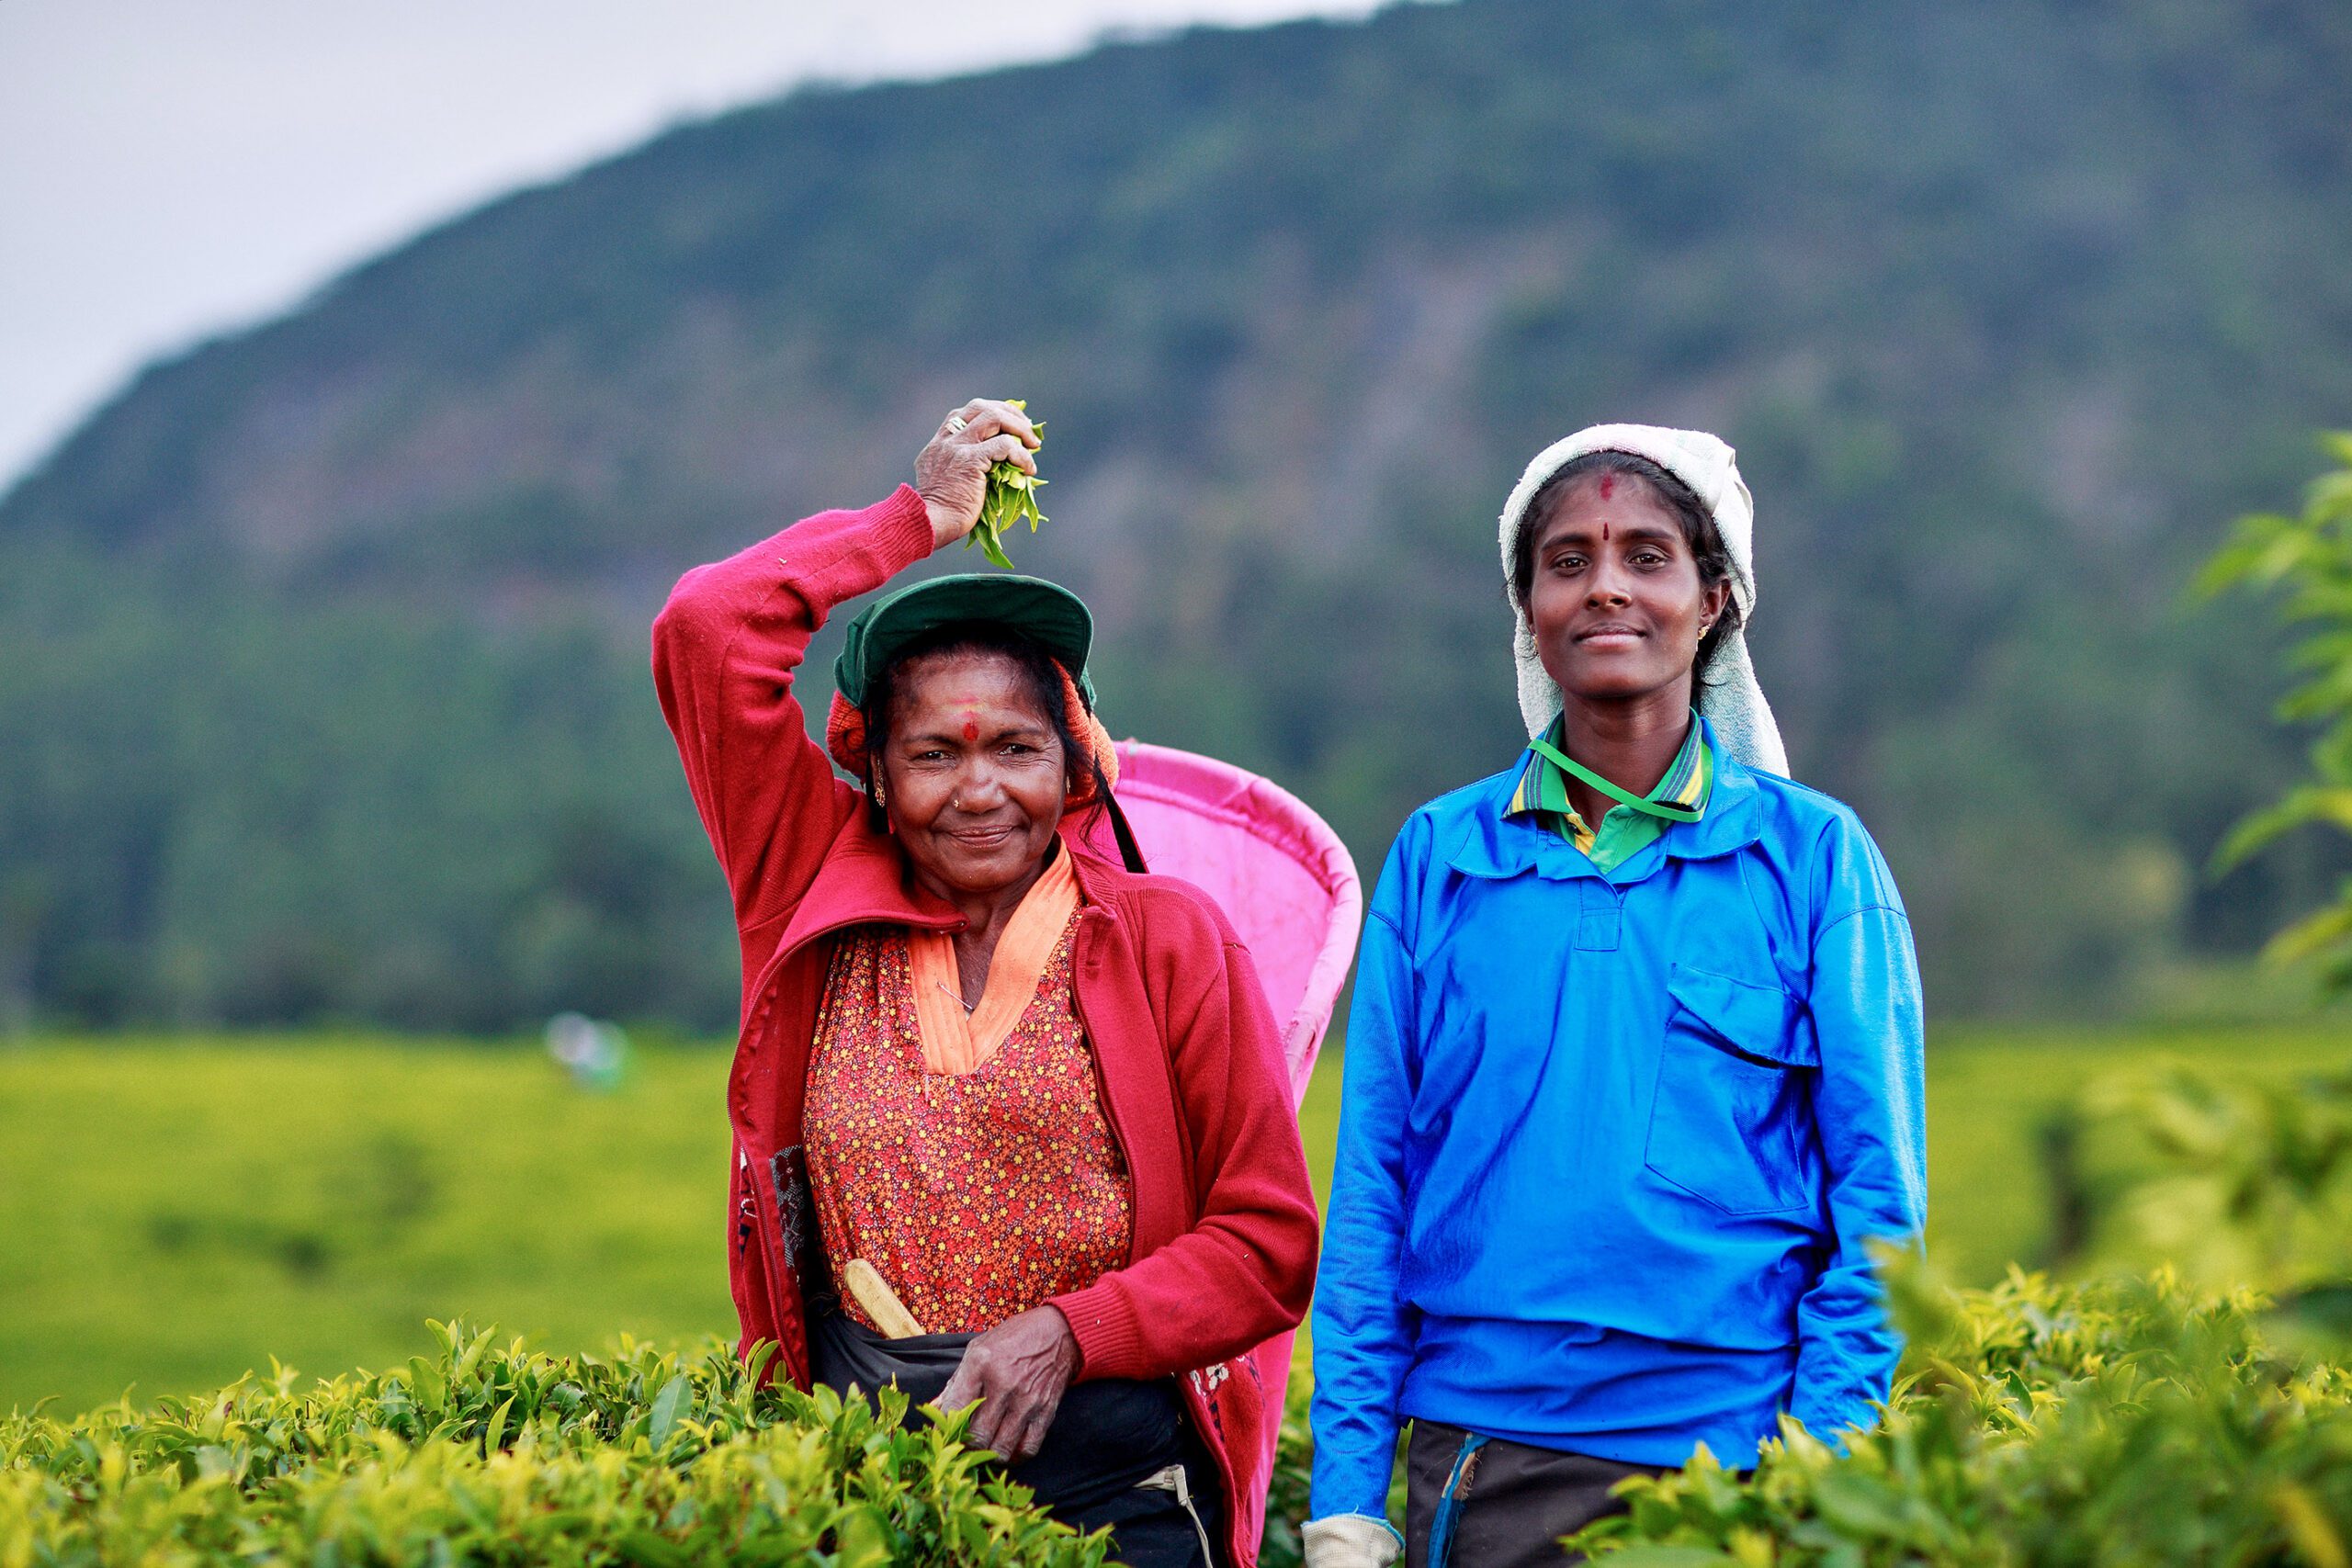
[2139, 1421]
[494, 1454]
[2130, 1423]
[2148, 1420]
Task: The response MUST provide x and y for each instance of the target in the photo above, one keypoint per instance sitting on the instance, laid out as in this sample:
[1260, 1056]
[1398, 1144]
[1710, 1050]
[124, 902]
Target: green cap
[1047, 611]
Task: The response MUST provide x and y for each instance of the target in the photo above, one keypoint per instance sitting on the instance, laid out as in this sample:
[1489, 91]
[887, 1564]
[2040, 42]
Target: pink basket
[1287, 884]
[1280, 874]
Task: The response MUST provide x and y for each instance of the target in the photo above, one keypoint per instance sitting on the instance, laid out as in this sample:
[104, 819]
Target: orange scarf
[955, 1041]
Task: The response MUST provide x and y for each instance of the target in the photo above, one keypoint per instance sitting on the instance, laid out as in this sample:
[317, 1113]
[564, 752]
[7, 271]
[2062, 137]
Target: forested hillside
[321, 683]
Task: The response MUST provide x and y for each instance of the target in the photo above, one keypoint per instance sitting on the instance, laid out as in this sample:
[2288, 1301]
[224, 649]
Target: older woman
[1633, 1065]
[1011, 1121]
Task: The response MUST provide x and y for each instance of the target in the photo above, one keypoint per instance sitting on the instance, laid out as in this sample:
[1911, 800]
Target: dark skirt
[1109, 1438]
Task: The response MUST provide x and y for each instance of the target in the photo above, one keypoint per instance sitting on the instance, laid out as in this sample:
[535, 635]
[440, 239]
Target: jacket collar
[863, 881]
[1490, 845]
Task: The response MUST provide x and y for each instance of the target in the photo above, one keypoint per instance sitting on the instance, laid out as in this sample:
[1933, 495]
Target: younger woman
[1634, 1065]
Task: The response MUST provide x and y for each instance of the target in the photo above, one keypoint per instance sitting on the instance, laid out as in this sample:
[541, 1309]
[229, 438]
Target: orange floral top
[976, 1195]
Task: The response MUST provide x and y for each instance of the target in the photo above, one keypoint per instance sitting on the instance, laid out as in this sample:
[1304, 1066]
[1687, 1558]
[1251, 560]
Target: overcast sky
[171, 167]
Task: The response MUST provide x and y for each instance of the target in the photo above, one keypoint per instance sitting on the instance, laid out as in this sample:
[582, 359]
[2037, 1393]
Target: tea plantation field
[176, 1210]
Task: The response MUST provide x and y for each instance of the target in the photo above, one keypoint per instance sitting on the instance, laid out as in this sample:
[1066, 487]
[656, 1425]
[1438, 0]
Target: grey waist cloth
[1472, 1502]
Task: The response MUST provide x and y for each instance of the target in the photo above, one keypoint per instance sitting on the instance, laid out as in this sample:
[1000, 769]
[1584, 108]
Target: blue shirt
[1612, 1145]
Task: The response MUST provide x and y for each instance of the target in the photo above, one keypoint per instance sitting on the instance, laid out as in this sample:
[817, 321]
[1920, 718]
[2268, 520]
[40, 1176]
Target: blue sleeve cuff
[1350, 1485]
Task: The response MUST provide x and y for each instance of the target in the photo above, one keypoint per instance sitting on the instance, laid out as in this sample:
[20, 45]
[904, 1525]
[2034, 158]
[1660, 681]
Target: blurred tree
[2308, 558]
[322, 683]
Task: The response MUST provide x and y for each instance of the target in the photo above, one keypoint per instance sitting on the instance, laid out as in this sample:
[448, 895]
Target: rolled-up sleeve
[1869, 1106]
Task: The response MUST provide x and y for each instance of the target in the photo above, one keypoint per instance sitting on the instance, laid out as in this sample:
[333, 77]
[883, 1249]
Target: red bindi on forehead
[1608, 486]
[971, 729]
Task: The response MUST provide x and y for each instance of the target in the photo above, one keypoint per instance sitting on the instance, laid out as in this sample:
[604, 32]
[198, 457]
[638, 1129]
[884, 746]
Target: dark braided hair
[1704, 540]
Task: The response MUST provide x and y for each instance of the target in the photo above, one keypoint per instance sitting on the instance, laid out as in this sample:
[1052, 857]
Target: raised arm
[726, 650]
[728, 643]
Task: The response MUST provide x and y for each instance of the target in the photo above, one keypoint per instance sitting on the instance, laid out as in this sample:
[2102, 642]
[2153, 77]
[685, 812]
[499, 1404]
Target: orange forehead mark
[971, 729]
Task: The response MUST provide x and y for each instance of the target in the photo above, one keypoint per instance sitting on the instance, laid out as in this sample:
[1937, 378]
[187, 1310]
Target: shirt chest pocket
[1729, 1120]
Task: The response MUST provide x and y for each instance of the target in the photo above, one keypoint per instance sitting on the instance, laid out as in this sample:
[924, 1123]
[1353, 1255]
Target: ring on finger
[955, 424]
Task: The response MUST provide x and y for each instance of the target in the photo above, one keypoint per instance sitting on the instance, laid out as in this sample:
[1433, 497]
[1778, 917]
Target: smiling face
[973, 772]
[1615, 597]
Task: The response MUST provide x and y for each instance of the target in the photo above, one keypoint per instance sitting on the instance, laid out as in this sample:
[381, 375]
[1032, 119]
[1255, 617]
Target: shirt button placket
[1601, 916]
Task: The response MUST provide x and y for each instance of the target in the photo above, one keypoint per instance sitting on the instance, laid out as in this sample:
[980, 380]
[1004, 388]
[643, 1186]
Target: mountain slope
[2005, 307]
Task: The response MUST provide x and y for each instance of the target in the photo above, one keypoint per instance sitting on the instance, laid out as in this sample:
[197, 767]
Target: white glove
[1351, 1541]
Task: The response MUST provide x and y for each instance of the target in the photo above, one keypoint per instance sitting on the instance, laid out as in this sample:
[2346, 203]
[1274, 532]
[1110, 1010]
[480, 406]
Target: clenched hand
[951, 472]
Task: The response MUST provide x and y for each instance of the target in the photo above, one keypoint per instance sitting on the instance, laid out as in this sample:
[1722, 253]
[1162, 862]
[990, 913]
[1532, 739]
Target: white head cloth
[1728, 695]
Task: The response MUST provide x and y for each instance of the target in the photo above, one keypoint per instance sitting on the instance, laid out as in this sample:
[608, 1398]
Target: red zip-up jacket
[1222, 1257]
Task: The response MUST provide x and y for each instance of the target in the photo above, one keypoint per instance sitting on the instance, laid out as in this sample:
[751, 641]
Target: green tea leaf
[666, 1407]
[490, 1441]
[1012, 498]
[643, 1546]
[864, 1540]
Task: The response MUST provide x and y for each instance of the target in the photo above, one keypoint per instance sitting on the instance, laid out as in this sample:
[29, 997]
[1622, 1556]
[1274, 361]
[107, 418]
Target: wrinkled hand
[1018, 1371]
[952, 473]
